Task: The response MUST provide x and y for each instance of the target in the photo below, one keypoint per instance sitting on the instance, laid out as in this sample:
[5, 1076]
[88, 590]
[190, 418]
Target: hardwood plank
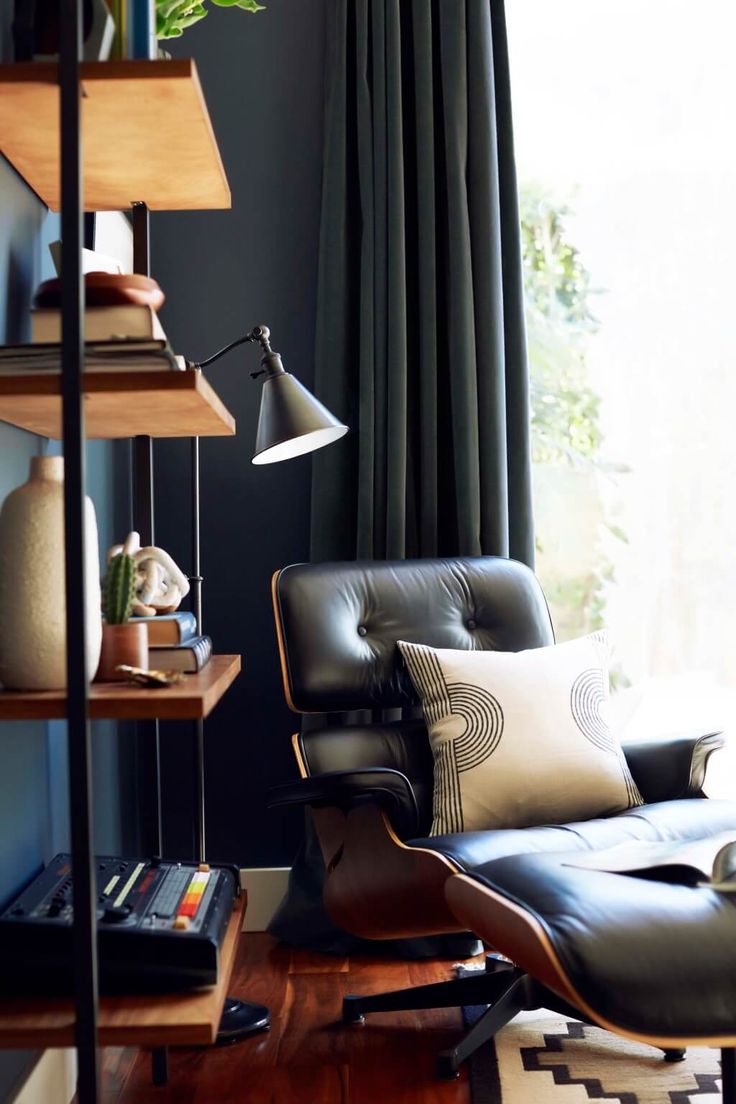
[211, 1080]
[313, 1032]
[306, 1057]
[119, 404]
[146, 134]
[195, 697]
[116, 1066]
[169, 1020]
[379, 972]
[311, 962]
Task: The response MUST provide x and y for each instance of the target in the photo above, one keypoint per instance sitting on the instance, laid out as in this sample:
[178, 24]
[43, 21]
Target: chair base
[482, 988]
[507, 991]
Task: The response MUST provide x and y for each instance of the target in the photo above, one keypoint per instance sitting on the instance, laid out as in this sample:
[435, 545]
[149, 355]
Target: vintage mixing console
[160, 927]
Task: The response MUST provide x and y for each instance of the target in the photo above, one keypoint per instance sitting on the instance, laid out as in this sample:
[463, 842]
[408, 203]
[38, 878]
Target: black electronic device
[160, 926]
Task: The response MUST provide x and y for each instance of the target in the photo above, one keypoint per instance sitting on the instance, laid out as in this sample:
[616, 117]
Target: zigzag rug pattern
[544, 1058]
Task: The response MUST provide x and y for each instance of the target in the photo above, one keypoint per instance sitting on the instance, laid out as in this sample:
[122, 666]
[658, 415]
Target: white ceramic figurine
[159, 585]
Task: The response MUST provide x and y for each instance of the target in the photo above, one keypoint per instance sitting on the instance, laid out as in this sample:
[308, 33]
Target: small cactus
[119, 589]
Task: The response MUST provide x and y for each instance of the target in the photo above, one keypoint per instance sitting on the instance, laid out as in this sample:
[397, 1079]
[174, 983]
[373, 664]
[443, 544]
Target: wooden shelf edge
[47, 72]
[148, 127]
[180, 404]
[173, 1019]
[193, 699]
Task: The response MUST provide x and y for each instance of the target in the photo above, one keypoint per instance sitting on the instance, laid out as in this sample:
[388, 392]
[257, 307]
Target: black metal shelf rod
[148, 734]
[200, 849]
[78, 734]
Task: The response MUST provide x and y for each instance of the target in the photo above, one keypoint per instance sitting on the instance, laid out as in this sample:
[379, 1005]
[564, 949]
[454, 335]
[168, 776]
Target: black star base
[240, 1019]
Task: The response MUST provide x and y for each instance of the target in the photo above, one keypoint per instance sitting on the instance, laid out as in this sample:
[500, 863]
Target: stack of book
[173, 643]
[118, 338]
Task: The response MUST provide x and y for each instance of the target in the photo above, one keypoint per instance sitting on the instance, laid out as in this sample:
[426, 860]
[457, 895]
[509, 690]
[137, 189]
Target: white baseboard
[265, 885]
[53, 1079]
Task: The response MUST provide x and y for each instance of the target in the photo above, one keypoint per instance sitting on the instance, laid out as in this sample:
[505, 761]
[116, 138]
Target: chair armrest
[390, 789]
[672, 767]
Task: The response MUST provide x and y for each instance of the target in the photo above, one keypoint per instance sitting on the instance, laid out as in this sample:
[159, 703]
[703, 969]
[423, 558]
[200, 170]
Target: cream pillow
[520, 738]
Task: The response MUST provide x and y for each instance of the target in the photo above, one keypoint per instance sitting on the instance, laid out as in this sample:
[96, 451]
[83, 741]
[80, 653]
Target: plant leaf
[244, 5]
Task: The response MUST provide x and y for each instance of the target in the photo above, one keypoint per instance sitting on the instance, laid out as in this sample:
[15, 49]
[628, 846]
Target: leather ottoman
[649, 959]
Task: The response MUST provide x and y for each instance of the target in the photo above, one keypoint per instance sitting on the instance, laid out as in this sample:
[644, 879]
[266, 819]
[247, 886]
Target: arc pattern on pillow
[587, 697]
[483, 718]
[522, 738]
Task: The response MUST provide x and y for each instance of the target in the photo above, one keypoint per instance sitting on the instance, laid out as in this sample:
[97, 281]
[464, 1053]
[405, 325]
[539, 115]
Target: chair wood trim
[379, 888]
[280, 640]
[518, 934]
[296, 743]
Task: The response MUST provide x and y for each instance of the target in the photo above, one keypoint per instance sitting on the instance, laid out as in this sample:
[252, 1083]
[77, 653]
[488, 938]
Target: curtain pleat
[420, 319]
[420, 338]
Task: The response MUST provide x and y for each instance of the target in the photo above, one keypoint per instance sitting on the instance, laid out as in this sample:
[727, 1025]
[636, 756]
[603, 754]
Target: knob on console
[115, 915]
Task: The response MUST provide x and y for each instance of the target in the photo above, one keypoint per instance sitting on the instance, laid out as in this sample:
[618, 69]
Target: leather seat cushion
[650, 957]
[690, 818]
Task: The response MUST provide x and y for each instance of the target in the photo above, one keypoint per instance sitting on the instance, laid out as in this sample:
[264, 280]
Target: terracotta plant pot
[126, 643]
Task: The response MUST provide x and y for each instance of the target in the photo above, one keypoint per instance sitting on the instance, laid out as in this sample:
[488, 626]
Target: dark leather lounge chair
[369, 782]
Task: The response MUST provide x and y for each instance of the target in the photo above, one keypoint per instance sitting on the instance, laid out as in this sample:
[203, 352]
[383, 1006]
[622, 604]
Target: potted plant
[123, 641]
[174, 16]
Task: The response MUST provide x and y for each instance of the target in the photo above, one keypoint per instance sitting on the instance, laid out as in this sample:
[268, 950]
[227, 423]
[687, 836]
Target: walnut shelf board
[146, 134]
[120, 404]
[173, 1019]
[191, 699]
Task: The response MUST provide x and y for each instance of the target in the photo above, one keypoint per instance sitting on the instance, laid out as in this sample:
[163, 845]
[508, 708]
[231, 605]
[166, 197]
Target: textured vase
[32, 597]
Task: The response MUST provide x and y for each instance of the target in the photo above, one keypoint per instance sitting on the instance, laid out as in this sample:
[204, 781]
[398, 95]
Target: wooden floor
[307, 1057]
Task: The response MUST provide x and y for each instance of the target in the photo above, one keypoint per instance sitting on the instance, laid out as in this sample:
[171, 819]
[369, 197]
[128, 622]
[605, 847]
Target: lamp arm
[261, 334]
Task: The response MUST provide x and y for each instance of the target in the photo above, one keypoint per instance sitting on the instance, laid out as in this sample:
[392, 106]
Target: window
[623, 117]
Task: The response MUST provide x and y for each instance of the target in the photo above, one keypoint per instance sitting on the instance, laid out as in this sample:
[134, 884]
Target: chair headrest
[338, 623]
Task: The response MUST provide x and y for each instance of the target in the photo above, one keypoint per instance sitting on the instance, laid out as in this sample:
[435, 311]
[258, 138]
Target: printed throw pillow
[520, 738]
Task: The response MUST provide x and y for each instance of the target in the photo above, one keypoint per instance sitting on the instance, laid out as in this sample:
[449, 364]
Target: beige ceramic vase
[32, 598]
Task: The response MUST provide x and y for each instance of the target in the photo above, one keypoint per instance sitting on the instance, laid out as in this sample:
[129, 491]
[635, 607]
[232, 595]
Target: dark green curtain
[420, 331]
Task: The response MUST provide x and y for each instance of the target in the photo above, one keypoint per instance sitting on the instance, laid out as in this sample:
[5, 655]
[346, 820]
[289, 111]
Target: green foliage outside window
[566, 429]
[565, 409]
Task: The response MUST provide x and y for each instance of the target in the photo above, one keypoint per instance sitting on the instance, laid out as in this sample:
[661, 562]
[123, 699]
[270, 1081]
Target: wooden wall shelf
[120, 404]
[175, 1019]
[191, 699]
[146, 132]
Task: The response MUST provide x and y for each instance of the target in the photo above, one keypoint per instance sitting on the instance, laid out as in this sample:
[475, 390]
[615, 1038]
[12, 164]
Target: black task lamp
[291, 423]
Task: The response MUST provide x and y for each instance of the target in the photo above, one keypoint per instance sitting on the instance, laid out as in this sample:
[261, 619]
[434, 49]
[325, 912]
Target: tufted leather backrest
[338, 623]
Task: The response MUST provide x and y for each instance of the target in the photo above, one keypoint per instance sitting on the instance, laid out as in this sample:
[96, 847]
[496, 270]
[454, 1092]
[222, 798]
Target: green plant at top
[174, 16]
[119, 589]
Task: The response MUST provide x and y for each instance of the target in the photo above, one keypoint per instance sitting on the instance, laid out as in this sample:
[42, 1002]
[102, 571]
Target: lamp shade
[291, 421]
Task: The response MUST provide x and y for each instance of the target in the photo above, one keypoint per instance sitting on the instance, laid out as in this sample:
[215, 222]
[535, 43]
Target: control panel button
[115, 915]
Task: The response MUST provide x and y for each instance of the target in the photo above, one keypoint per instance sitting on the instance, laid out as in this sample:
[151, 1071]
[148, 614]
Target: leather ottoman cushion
[652, 958]
[690, 818]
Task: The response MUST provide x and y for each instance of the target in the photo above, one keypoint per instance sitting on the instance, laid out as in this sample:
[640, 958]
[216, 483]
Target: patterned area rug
[544, 1058]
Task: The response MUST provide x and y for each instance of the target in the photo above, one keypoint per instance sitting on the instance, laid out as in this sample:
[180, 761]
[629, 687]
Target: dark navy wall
[33, 784]
[222, 273]
[26, 824]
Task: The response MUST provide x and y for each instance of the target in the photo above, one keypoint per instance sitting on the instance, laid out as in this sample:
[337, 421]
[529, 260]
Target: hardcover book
[124, 320]
[130, 355]
[189, 657]
[167, 629]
